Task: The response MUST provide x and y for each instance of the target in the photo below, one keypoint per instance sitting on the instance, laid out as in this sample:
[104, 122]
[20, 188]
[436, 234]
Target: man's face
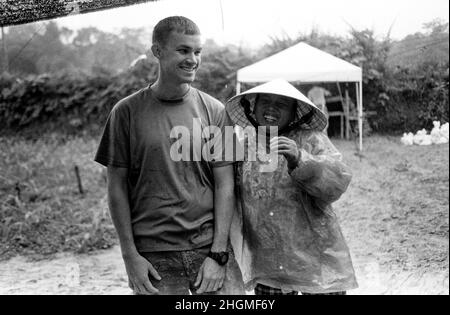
[274, 110]
[180, 57]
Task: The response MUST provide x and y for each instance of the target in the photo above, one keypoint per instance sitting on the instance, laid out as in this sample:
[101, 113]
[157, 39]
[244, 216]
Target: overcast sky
[252, 22]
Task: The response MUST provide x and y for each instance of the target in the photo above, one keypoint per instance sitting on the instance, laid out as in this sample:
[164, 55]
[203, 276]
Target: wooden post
[80, 186]
[18, 191]
[5, 62]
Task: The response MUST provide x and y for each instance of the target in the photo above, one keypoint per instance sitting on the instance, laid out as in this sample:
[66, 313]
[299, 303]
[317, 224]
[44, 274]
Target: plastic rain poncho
[285, 233]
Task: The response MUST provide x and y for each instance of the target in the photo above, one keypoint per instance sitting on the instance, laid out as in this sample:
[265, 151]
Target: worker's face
[180, 57]
[274, 110]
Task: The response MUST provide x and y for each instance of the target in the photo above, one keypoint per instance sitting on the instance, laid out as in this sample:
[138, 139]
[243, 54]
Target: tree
[430, 47]
[436, 26]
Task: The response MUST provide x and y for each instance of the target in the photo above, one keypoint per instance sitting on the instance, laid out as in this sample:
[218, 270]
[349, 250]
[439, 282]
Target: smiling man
[172, 217]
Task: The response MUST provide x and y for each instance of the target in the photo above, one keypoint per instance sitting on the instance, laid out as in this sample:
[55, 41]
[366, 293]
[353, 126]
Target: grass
[395, 210]
[42, 211]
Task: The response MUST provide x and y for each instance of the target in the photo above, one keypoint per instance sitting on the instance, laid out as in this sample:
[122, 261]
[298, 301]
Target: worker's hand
[210, 277]
[139, 270]
[286, 147]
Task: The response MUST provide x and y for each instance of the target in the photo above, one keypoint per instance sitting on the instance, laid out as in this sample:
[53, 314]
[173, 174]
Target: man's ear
[156, 50]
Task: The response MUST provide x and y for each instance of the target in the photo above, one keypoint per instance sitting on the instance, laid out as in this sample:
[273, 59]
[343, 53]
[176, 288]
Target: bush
[414, 100]
[62, 102]
[404, 99]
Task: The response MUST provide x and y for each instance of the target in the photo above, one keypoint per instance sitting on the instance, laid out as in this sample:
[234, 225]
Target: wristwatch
[221, 257]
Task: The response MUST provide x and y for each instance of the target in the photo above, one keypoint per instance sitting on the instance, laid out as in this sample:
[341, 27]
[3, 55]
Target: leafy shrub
[68, 102]
[404, 99]
[414, 100]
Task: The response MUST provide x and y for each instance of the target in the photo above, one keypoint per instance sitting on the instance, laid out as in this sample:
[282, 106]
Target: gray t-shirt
[171, 202]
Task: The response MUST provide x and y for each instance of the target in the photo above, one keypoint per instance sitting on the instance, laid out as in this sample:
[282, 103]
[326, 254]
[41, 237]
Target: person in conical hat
[285, 234]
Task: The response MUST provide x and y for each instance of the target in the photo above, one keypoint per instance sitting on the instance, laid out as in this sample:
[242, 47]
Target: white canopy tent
[305, 64]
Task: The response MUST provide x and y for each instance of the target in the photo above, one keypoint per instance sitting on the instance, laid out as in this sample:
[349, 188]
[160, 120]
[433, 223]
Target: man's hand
[138, 270]
[286, 147]
[210, 277]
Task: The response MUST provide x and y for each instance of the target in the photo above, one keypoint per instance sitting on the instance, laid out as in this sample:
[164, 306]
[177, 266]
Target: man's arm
[138, 268]
[224, 200]
[211, 275]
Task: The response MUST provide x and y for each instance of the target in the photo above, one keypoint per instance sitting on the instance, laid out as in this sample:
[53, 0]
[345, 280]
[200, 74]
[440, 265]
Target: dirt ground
[395, 216]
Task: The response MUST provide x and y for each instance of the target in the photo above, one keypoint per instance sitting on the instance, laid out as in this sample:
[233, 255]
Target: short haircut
[179, 24]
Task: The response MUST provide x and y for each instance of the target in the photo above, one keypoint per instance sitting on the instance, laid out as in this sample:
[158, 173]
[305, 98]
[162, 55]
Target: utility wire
[26, 44]
[419, 47]
[222, 15]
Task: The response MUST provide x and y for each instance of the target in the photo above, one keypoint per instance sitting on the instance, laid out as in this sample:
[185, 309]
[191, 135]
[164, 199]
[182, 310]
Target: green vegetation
[42, 210]
[69, 81]
[397, 202]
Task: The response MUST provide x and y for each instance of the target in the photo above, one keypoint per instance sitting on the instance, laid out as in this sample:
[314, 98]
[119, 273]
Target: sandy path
[103, 273]
[98, 273]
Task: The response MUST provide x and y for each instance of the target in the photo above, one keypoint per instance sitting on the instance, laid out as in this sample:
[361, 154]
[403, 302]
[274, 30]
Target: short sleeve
[225, 151]
[114, 147]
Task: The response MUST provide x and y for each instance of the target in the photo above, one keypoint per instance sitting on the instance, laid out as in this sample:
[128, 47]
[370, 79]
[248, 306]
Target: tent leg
[347, 115]
[238, 87]
[360, 113]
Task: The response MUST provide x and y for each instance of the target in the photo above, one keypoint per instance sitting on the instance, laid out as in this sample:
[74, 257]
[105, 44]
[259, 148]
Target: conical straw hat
[316, 118]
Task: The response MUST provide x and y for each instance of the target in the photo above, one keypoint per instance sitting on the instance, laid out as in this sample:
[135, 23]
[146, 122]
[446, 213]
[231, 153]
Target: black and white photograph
[226, 148]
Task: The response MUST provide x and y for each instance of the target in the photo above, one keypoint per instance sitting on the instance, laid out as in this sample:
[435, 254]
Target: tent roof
[301, 63]
[13, 12]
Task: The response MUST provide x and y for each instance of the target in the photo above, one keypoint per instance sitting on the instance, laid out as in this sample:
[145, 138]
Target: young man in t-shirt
[172, 215]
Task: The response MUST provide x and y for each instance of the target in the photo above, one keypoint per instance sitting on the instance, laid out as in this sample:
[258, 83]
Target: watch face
[220, 258]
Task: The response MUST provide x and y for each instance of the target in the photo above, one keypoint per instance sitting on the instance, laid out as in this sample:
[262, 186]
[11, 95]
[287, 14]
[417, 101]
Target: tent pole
[347, 114]
[238, 87]
[360, 114]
